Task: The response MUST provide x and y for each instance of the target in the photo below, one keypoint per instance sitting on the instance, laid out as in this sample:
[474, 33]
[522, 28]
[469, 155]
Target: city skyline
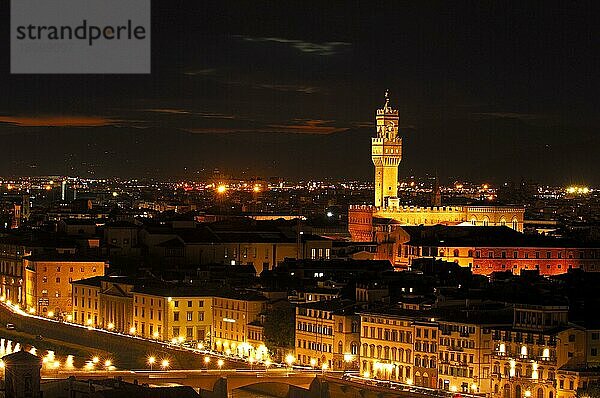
[489, 93]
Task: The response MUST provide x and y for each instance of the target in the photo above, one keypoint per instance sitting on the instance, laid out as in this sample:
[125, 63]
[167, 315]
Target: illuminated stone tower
[386, 152]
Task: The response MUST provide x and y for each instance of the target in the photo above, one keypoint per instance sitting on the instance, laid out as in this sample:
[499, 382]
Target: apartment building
[233, 313]
[48, 277]
[327, 334]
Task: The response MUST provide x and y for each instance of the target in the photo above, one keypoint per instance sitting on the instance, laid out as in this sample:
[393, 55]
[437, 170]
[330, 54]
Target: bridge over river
[278, 383]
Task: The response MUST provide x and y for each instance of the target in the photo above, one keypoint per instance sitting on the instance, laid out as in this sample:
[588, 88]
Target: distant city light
[578, 190]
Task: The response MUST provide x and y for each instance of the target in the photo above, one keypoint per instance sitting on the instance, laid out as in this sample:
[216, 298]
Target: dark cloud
[58, 121]
[322, 49]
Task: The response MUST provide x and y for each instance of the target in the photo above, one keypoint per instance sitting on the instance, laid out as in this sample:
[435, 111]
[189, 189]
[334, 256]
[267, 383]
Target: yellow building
[116, 303]
[464, 356]
[86, 301]
[175, 314]
[48, 277]
[425, 352]
[327, 335]
[233, 312]
[387, 351]
[533, 357]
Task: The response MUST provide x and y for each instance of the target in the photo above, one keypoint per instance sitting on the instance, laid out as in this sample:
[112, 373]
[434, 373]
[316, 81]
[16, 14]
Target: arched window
[502, 221]
[518, 391]
[340, 347]
[540, 393]
[486, 221]
[474, 220]
[515, 223]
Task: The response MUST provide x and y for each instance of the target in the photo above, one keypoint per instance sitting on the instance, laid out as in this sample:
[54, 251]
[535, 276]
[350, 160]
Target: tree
[279, 330]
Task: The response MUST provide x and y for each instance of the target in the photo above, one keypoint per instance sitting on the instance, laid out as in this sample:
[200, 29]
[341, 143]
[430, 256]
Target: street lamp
[107, 364]
[324, 367]
[251, 361]
[206, 361]
[347, 359]
[289, 359]
[132, 330]
[220, 364]
[110, 326]
[313, 362]
[164, 364]
[151, 361]
[267, 364]
[95, 360]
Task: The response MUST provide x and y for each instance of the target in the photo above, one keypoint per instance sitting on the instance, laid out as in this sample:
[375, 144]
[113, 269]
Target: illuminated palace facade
[386, 153]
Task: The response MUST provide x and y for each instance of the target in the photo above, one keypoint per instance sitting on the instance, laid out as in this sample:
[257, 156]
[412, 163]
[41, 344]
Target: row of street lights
[165, 363]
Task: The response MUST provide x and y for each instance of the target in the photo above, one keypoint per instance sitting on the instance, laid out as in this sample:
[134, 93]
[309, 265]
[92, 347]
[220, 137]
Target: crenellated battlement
[387, 112]
[421, 209]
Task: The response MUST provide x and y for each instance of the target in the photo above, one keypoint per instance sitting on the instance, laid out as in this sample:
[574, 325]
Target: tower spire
[386, 106]
[386, 153]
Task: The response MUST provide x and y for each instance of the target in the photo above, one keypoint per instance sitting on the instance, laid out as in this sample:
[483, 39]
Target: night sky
[487, 90]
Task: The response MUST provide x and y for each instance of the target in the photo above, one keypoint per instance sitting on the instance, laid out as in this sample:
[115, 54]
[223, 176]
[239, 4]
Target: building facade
[172, 315]
[327, 335]
[387, 350]
[233, 312]
[48, 281]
